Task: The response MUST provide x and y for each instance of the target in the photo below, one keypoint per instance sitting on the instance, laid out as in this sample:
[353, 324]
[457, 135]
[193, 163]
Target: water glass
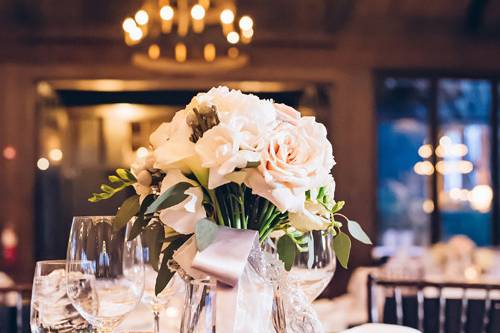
[51, 309]
[105, 271]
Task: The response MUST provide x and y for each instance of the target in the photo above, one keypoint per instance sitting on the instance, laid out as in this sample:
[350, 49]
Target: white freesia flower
[183, 216]
[141, 171]
[245, 123]
[171, 143]
[295, 159]
[313, 217]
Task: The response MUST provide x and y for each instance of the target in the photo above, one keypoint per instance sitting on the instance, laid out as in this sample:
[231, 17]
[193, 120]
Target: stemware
[313, 270]
[51, 309]
[152, 260]
[104, 271]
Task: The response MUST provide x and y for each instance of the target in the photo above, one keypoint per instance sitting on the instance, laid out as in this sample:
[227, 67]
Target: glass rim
[93, 217]
[51, 262]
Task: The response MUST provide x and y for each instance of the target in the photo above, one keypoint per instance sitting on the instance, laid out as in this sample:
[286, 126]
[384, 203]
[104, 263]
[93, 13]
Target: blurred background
[409, 90]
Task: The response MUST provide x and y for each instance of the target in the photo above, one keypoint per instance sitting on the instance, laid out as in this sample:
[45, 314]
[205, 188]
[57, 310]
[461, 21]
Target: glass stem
[156, 328]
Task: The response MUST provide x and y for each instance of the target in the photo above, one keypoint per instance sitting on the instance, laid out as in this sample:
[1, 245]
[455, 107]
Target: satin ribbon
[223, 260]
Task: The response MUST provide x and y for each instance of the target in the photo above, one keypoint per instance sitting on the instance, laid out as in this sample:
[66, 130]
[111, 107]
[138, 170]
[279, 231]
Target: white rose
[245, 123]
[313, 217]
[172, 144]
[183, 216]
[294, 160]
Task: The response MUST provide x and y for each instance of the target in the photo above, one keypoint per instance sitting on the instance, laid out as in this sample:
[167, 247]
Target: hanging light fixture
[186, 35]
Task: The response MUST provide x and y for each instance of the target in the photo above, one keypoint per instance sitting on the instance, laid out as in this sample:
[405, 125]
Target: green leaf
[114, 179]
[153, 238]
[141, 221]
[128, 209]
[338, 206]
[171, 197]
[122, 173]
[342, 248]
[287, 250]
[357, 232]
[205, 232]
[165, 274]
[106, 188]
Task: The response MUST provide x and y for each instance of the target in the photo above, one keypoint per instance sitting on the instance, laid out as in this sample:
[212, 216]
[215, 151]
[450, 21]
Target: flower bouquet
[228, 171]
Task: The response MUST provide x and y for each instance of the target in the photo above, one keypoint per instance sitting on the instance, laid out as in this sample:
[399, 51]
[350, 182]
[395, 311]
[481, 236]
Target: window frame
[433, 76]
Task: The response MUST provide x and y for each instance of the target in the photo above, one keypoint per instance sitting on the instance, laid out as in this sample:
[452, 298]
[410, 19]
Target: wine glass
[104, 271]
[51, 309]
[313, 270]
[157, 303]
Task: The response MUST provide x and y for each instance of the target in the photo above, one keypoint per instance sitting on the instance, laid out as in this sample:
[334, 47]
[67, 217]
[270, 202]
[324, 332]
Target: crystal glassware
[156, 303]
[313, 270]
[104, 271]
[51, 309]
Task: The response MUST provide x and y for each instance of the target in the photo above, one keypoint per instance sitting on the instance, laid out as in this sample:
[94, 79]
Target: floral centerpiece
[233, 160]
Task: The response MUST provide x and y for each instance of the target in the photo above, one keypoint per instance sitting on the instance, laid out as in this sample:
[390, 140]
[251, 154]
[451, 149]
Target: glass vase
[199, 307]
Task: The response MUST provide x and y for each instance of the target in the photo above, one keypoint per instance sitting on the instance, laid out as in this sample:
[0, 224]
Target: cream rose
[294, 160]
[183, 216]
[313, 217]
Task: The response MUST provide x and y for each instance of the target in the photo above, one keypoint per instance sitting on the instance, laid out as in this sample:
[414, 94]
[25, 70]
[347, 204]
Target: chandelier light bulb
[227, 16]
[136, 34]
[128, 24]
[233, 37]
[209, 52]
[43, 164]
[166, 13]
[247, 33]
[153, 53]
[180, 52]
[246, 23]
[142, 17]
[198, 12]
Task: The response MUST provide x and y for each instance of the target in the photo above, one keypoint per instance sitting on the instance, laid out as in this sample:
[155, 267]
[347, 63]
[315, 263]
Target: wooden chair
[407, 303]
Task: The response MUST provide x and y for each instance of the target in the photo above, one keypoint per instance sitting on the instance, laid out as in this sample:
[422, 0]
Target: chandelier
[184, 35]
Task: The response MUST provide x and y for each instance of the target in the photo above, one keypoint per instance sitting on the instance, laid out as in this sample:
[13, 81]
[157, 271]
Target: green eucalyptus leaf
[122, 173]
[153, 238]
[287, 250]
[106, 188]
[114, 179]
[128, 209]
[338, 206]
[357, 232]
[205, 232]
[141, 221]
[171, 197]
[164, 273]
[342, 248]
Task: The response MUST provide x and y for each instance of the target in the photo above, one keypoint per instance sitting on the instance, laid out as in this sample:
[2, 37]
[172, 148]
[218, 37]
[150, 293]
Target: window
[436, 169]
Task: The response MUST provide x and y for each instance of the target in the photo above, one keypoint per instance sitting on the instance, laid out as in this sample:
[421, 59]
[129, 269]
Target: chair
[14, 308]
[433, 307]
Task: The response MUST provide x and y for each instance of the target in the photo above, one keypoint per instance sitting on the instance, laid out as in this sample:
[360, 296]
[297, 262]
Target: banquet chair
[15, 308]
[433, 307]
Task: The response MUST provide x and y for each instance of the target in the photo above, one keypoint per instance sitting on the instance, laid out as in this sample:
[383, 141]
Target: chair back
[434, 307]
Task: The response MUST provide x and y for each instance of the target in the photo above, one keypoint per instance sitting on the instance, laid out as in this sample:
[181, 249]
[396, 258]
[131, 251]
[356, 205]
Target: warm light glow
[424, 168]
[180, 52]
[44, 89]
[471, 273]
[9, 153]
[227, 16]
[428, 206]
[459, 194]
[142, 152]
[246, 23]
[233, 52]
[452, 150]
[43, 163]
[136, 34]
[449, 167]
[198, 12]
[480, 198]
[205, 3]
[142, 17]
[128, 24]
[166, 13]
[55, 154]
[154, 51]
[445, 140]
[425, 151]
[209, 52]
[233, 37]
[247, 33]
